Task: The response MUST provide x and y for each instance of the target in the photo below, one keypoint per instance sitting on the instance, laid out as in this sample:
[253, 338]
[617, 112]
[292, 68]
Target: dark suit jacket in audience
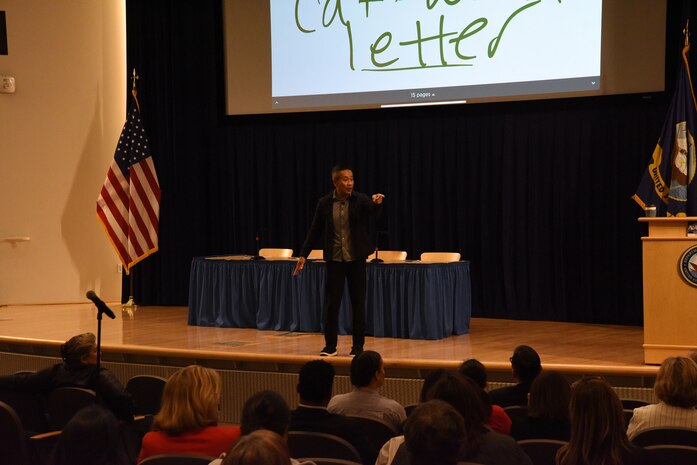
[319, 420]
[510, 395]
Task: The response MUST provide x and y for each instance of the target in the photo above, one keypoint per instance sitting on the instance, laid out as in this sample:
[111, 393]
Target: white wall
[58, 132]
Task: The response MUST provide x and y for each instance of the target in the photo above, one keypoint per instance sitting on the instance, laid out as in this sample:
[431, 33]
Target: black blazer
[361, 208]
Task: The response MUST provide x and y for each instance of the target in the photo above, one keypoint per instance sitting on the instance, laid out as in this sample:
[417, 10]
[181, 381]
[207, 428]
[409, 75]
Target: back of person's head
[692, 355]
[435, 434]
[190, 401]
[265, 410]
[598, 433]
[77, 348]
[676, 382]
[315, 381]
[90, 437]
[549, 396]
[430, 380]
[364, 367]
[474, 370]
[464, 395]
[525, 363]
[260, 447]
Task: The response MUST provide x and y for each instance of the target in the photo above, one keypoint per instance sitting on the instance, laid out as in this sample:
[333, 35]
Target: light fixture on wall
[15, 239]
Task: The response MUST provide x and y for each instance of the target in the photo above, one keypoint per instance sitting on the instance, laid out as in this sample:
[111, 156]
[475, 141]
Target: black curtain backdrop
[536, 195]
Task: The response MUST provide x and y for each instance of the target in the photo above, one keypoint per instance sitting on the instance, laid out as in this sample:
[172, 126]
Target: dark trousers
[337, 273]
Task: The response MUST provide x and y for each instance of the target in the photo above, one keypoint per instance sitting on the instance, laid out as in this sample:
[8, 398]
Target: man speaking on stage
[343, 215]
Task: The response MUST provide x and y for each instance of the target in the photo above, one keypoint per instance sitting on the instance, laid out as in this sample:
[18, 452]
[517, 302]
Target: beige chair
[276, 253]
[390, 255]
[440, 257]
[316, 254]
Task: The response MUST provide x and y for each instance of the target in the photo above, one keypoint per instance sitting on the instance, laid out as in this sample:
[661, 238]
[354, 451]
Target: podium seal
[688, 265]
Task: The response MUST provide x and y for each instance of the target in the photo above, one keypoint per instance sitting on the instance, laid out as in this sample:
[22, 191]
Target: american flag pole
[128, 205]
[130, 305]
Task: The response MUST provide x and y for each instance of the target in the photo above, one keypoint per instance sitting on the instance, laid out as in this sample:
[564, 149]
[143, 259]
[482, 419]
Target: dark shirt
[319, 420]
[510, 395]
[360, 209]
[109, 390]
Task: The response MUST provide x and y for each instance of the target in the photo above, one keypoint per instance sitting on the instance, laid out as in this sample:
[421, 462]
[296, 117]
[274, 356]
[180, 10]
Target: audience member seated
[265, 410]
[498, 419]
[315, 383]
[79, 369]
[548, 410]
[481, 445]
[676, 389]
[434, 434]
[525, 364]
[187, 422]
[261, 447]
[597, 429]
[367, 377]
[91, 437]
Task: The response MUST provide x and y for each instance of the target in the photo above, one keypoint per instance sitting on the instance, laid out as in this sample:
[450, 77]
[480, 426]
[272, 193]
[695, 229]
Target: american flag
[129, 203]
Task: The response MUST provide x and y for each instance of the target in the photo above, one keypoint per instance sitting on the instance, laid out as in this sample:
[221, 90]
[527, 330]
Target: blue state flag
[668, 183]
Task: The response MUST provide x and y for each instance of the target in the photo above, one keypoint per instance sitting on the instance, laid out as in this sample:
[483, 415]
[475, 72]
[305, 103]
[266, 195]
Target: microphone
[101, 306]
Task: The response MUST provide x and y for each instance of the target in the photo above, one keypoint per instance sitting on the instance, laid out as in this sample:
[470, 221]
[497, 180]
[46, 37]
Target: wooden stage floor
[163, 331]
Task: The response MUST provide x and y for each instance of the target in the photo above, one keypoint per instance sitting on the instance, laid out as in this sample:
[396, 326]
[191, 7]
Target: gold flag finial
[134, 91]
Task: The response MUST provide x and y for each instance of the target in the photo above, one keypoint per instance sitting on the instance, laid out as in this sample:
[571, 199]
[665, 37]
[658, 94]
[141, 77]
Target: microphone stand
[99, 340]
[377, 259]
[257, 256]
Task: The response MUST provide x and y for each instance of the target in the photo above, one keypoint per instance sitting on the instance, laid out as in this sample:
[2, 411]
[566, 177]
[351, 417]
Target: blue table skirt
[411, 300]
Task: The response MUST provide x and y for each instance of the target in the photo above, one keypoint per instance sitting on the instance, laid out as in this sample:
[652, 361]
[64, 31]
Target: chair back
[440, 257]
[390, 255]
[29, 408]
[12, 441]
[303, 444]
[516, 411]
[276, 253]
[146, 392]
[65, 402]
[673, 454]
[410, 408]
[664, 436]
[375, 434]
[541, 451]
[177, 459]
[328, 461]
[631, 404]
[316, 254]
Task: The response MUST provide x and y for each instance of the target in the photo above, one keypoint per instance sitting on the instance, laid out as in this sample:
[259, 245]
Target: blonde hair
[261, 447]
[77, 347]
[189, 401]
[676, 382]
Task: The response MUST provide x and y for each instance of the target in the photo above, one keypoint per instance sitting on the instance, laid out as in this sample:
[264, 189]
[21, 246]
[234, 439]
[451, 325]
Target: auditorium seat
[302, 444]
[330, 461]
[631, 404]
[12, 441]
[276, 253]
[440, 257]
[673, 454]
[177, 459]
[146, 392]
[390, 255]
[541, 451]
[663, 436]
[65, 402]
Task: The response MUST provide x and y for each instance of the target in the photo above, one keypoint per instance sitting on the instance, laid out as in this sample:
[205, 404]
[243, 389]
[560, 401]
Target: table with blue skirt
[415, 300]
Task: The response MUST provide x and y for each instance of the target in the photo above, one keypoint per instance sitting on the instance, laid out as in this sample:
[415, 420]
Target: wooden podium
[670, 301]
